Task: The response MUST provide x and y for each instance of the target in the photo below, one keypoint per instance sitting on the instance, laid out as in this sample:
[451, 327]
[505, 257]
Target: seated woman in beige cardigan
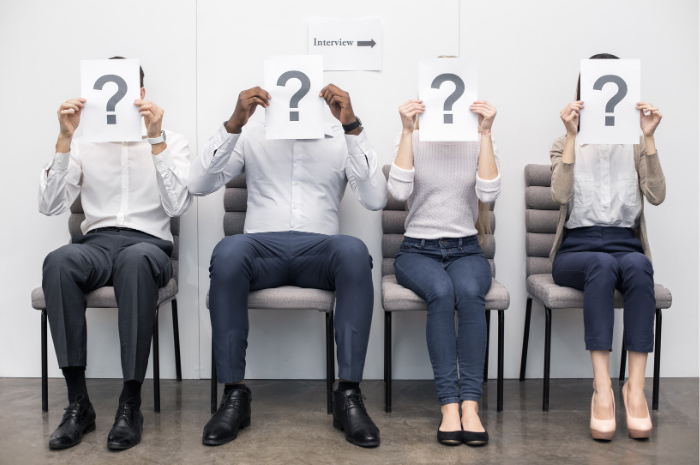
[601, 244]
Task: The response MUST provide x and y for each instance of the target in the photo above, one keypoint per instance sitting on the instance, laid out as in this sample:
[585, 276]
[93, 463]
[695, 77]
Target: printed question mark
[305, 86]
[121, 92]
[454, 96]
[621, 92]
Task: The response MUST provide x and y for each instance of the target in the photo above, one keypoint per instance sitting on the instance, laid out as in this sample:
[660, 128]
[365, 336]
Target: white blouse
[606, 187]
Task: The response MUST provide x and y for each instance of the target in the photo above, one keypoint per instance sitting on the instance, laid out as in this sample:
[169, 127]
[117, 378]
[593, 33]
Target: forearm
[488, 169]
[209, 171]
[404, 156]
[650, 144]
[569, 153]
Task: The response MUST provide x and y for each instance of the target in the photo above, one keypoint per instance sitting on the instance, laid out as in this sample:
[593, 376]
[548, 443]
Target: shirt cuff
[359, 144]
[164, 160]
[224, 141]
[60, 162]
[491, 185]
[401, 174]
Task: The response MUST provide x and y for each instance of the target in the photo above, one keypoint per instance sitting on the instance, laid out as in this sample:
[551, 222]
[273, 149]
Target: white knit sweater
[442, 189]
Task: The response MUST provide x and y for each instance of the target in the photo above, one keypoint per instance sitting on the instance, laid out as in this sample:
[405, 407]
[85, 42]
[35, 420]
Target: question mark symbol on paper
[303, 90]
[454, 96]
[621, 92]
[118, 95]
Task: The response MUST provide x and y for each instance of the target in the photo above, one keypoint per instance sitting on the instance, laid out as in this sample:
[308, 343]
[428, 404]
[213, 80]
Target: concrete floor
[290, 426]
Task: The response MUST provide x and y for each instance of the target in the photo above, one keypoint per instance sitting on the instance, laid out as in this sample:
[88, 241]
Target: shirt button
[123, 188]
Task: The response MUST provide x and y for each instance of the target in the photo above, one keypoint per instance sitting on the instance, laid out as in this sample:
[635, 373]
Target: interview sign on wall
[296, 109]
[110, 88]
[610, 90]
[447, 87]
[347, 44]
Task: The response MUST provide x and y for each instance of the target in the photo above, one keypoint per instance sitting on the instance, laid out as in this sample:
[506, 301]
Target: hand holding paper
[649, 118]
[339, 102]
[152, 117]
[248, 101]
[409, 112]
[486, 114]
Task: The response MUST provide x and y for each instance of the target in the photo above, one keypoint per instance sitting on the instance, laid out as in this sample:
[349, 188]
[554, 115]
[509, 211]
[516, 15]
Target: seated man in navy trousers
[291, 238]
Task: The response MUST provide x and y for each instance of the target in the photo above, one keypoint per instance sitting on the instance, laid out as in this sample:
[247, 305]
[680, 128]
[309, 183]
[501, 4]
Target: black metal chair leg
[501, 322]
[547, 353]
[526, 338]
[156, 368]
[657, 362]
[214, 393]
[387, 361]
[44, 365]
[176, 339]
[623, 360]
[487, 314]
[332, 351]
[329, 368]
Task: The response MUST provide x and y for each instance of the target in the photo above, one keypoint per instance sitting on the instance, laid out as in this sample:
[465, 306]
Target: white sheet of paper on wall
[110, 88]
[610, 90]
[447, 87]
[347, 44]
[296, 110]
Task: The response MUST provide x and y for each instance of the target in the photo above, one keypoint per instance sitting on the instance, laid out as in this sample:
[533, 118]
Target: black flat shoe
[233, 415]
[127, 428]
[450, 438]
[77, 420]
[350, 416]
[475, 439]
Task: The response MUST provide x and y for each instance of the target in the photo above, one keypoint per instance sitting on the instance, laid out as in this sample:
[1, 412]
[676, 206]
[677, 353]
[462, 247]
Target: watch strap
[352, 126]
[157, 140]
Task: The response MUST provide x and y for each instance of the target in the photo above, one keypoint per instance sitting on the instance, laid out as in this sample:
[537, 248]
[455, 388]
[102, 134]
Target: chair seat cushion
[542, 288]
[396, 298]
[290, 298]
[104, 296]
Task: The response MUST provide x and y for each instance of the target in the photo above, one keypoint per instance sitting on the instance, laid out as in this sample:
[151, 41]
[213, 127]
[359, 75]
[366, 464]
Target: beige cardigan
[652, 185]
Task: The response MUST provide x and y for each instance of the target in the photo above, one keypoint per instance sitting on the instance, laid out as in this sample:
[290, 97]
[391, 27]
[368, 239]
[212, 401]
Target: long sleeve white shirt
[293, 185]
[443, 188]
[122, 184]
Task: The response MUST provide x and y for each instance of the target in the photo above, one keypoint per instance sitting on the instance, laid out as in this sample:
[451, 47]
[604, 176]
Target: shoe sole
[120, 447]
[450, 443]
[476, 443]
[88, 429]
[221, 442]
[640, 434]
[339, 427]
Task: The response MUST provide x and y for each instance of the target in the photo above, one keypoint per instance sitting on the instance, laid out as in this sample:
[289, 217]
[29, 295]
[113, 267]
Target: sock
[131, 391]
[345, 385]
[75, 380]
[230, 387]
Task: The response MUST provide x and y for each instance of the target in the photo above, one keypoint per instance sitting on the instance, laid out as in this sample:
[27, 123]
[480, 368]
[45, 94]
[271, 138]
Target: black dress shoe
[450, 438]
[476, 439]
[233, 415]
[350, 416]
[127, 428]
[77, 420]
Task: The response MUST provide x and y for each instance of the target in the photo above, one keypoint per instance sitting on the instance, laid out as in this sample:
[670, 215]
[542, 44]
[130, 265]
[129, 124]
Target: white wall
[199, 54]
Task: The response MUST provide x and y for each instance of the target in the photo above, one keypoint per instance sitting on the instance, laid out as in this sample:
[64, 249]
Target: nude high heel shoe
[602, 429]
[639, 428]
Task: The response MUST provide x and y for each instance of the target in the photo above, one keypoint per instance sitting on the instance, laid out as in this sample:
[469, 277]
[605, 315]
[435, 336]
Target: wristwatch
[352, 126]
[157, 140]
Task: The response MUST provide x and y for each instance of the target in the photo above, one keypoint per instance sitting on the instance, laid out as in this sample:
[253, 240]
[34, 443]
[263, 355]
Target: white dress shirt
[606, 187]
[122, 184]
[293, 185]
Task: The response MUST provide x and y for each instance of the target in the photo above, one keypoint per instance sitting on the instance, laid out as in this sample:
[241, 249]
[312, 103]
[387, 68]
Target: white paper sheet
[620, 125]
[110, 88]
[440, 81]
[293, 114]
[347, 44]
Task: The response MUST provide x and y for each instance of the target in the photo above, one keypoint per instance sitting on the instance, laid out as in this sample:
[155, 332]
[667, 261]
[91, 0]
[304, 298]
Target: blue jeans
[449, 273]
[597, 260]
[249, 262]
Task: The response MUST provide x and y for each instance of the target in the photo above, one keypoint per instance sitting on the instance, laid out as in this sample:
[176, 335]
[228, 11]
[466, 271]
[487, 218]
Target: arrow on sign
[366, 43]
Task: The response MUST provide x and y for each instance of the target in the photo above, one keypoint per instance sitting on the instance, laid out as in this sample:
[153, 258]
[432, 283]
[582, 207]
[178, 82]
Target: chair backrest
[393, 221]
[235, 205]
[541, 218]
[77, 216]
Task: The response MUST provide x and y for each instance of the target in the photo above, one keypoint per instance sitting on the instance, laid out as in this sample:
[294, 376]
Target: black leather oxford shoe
[127, 428]
[233, 415]
[350, 416]
[77, 420]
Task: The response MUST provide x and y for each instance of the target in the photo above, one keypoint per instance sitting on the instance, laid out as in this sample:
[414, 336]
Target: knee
[350, 251]
[636, 264]
[469, 291]
[604, 266]
[230, 255]
[442, 292]
[135, 257]
[57, 261]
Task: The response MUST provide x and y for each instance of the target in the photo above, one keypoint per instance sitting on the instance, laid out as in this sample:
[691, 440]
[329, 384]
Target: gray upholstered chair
[396, 298]
[541, 217]
[104, 298]
[278, 298]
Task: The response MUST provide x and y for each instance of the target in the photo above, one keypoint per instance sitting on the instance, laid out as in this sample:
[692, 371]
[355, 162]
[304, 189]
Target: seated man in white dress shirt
[128, 191]
[291, 238]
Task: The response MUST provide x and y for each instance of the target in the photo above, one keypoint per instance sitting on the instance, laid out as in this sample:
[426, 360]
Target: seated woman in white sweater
[448, 186]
